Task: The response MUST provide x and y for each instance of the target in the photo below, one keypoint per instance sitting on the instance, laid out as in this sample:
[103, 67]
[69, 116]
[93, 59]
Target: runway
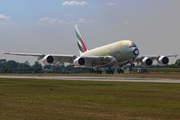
[96, 79]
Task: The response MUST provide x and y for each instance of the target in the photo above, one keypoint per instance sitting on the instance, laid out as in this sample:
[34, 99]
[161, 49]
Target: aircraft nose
[136, 52]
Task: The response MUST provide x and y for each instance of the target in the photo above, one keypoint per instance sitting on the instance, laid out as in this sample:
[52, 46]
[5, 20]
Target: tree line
[12, 66]
[176, 65]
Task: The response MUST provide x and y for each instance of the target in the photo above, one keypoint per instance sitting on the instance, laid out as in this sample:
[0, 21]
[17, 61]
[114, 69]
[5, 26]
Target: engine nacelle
[48, 59]
[162, 61]
[146, 62]
[80, 61]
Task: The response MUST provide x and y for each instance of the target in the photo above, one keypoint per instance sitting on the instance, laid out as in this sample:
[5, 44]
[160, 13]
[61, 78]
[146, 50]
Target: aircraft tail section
[80, 41]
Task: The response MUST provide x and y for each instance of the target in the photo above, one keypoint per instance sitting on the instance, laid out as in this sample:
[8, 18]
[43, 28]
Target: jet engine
[162, 61]
[80, 61]
[48, 59]
[146, 62]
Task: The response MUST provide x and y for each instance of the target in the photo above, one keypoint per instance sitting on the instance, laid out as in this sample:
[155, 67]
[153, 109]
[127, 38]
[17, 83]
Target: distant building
[70, 72]
[141, 70]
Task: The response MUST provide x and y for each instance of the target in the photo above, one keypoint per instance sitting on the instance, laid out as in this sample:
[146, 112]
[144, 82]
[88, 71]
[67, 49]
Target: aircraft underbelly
[111, 64]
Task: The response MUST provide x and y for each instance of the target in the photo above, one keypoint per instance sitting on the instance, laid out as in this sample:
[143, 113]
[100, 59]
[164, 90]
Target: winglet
[4, 53]
[176, 55]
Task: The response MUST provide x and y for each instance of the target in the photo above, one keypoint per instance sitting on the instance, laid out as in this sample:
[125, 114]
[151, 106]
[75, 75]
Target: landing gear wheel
[91, 70]
[132, 65]
[98, 72]
[120, 71]
[109, 72]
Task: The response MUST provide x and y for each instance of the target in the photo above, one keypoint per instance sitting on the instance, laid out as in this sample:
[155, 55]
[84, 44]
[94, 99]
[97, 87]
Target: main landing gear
[120, 71]
[109, 71]
[95, 71]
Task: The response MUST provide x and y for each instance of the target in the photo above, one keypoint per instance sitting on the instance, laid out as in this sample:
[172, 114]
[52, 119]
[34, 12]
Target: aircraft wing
[148, 59]
[57, 57]
[97, 60]
[23, 54]
[153, 57]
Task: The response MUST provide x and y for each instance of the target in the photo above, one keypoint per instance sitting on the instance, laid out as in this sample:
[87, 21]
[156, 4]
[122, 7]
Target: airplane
[118, 54]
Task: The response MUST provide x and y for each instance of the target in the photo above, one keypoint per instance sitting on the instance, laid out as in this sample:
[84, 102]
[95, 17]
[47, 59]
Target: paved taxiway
[97, 78]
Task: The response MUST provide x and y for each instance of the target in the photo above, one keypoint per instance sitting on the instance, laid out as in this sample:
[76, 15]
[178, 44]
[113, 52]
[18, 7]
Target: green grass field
[64, 99]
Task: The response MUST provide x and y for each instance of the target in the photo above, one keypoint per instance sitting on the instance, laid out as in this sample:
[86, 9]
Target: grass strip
[66, 99]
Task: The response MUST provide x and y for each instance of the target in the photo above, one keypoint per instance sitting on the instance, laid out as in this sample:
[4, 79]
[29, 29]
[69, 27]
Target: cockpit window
[131, 45]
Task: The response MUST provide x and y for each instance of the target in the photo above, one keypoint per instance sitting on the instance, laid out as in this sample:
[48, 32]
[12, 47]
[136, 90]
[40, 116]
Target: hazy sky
[47, 26]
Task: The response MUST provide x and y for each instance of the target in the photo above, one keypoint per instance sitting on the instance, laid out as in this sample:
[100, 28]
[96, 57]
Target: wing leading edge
[147, 60]
[96, 60]
[154, 57]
